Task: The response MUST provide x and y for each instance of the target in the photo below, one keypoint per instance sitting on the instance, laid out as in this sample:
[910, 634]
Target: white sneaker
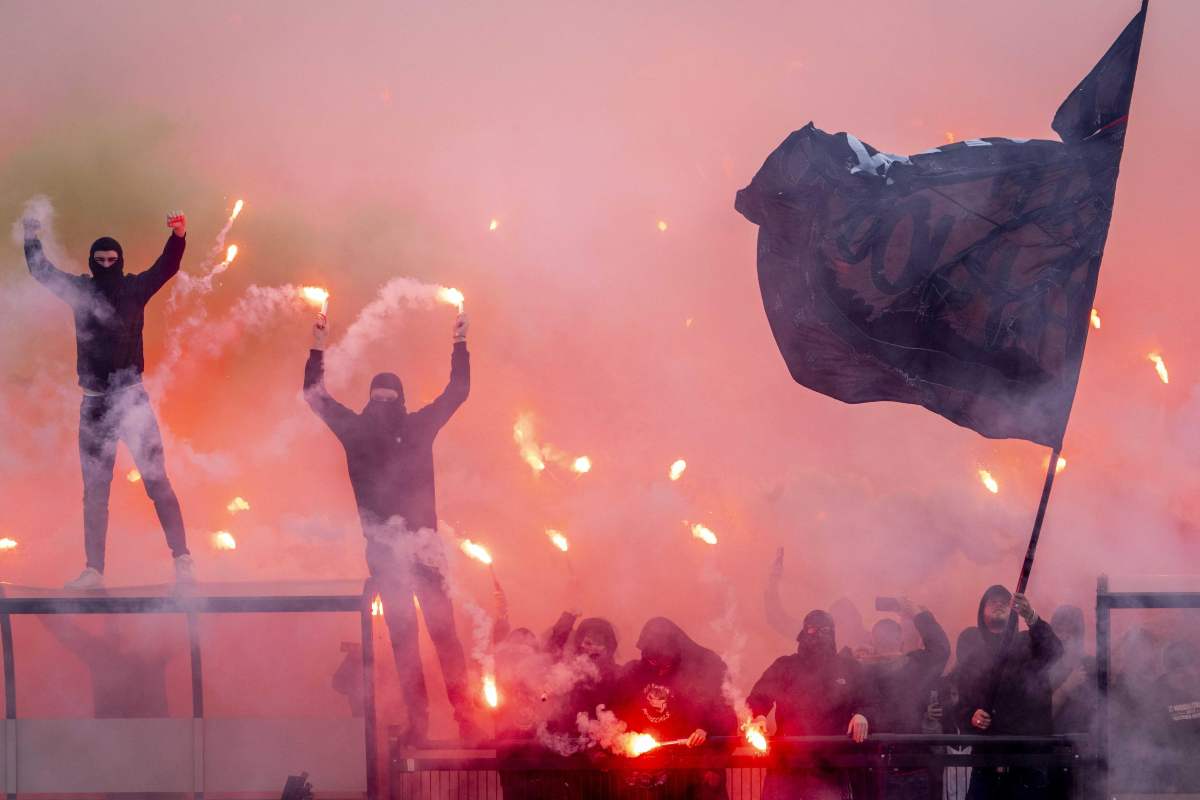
[184, 569]
[88, 579]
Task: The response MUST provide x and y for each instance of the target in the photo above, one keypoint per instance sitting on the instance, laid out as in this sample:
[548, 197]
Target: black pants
[398, 578]
[126, 416]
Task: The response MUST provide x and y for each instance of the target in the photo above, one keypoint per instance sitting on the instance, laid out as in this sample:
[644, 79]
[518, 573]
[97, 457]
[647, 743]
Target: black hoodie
[109, 310]
[1019, 684]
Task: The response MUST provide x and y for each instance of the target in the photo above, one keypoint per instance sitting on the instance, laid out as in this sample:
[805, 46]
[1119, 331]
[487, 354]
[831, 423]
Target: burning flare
[662, 225]
[989, 481]
[237, 504]
[1095, 319]
[558, 539]
[523, 436]
[316, 296]
[677, 469]
[237, 209]
[495, 223]
[491, 695]
[636, 744]
[8, 544]
[950, 137]
[1060, 466]
[582, 465]
[476, 551]
[223, 540]
[454, 297]
[133, 476]
[703, 533]
[377, 606]
[230, 254]
[755, 737]
[1160, 367]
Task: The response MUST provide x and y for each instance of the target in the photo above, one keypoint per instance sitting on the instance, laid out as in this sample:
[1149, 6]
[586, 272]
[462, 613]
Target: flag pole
[1027, 567]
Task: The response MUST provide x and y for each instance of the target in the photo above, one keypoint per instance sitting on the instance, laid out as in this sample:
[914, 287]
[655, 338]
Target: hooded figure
[591, 655]
[389, 454]
[109, 311]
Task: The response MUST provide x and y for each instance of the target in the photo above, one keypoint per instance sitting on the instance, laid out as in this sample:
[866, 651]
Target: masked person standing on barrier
[1007, 691]
[389, 454]
[109, 309]
[815, 692]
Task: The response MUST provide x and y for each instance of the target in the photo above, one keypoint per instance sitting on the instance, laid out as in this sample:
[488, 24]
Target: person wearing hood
[109, 309]
[815, 692]
[389, 455]
[674, 692]
[591, 656]
[1007, 691]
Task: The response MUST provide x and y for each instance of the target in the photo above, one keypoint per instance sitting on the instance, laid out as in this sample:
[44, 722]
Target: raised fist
[177, 222]
[320, 332]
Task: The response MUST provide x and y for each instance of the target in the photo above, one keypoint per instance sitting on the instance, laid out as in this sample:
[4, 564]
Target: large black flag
[961, 278]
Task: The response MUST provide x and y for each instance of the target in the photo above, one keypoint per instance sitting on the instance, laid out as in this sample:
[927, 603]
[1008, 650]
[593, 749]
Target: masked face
[593, 647]
[385, 411]
[105, 259]
[816, 640]
[995, 614]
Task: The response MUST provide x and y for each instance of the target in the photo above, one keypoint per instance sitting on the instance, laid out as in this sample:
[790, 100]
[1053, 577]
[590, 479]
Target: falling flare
[755, 737]
[1095, 319]
[662, 225]
[454, 297]
[223, 540]
[989, 481]
[237, 504]
[8, 544]
[637, 744]
[377, 606]
[133, 476]
[1160, 367]
[703, 533]
[677, 469]
[237, 209]
[476, 551]
[582, 465]
[491, 695]
[493, 225]
[558, 539]
[317, 296]
[523, 436]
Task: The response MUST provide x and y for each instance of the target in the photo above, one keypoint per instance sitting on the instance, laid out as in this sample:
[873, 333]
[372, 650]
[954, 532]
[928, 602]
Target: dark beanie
[387, 380]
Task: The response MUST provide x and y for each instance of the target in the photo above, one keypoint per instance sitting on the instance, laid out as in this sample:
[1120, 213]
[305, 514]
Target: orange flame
[989, 481]
[491, 695]
[237, 504]
[237, 209]
[231, 253]
[8, 544]
[223, 540]
[377, 606]
[523, 436]
[476, 551]
[133, 476]
[1095, 319]
[582, 465]
[677, 469]
[495, 223]
[755, 737]
[636, 744]
[662, 225]
[558, 539]
[703, 533]
[454, 297]
[1060, 466]
[317, 296]
[1160, 367]
[950, 137]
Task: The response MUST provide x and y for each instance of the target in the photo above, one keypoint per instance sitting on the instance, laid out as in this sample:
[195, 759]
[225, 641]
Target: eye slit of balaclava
[114, 271]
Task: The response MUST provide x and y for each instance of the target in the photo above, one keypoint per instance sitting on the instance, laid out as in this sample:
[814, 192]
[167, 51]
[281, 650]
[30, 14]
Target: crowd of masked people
[903, 681]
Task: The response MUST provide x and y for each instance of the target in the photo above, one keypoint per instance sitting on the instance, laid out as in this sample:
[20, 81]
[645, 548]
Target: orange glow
[1095, 319]
[523, 436]
[231, 253]
[491, 695]
[223, 540]
[703, 533]
[662, 225]
[1160, 367]
[635, 744]
[755, 737]
[237, 504]
[677, 469]
[316, 296]
[8, 544]
[237, 209]
[493, 225]
[454, 297]
[476, 551]
[950, 137]
[989, 481]
[377, 606]
[582, 465]
[133, 476]
[1060, 466]
[558, 539]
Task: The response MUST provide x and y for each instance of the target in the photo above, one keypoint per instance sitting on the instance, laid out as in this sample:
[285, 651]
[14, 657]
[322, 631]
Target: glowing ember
[491, 695]
[662, 225]
[703, 533]
[377, 606]
[223, 540]
[756, 738]
[237, 209]
[237, 504]
[677, 469]
[493, 225]
[558, 539]
[452, 296]
[523, 436]
[133, 476]
[231, 253]
[638, 743]
[1095, 319]
[8, 544]
[582, 464]
[317, 296]
[476, 551]
[1160, 367]
[989, 481]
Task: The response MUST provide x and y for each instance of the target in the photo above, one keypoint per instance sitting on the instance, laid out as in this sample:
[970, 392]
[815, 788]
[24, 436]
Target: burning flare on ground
[454, 297]
[377, 606]
[703, 533]
[316, 296]
[558, 539]
[1160, 367]
[476, 551]
[582, 465]
[989, 481]
[491, 695]
[237, 504]
[677, 469]
[1095, 319]
[133, 476]
[223, 540]
[8, 544]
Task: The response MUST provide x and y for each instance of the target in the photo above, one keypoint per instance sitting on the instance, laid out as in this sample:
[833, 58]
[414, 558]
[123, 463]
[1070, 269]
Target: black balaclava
[106, 276]
[387, 416]
[994, 592]
[662, 641]
[816, 647]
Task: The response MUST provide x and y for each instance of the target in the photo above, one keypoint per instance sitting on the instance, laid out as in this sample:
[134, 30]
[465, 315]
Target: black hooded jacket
[109, 310]
[901, 685]
[814, 694]
[687, 698]
[391, 465]
[1020, 682]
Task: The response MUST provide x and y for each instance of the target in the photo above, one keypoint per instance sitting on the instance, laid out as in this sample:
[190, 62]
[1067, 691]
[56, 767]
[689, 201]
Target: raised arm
[456, 391]
[153, 279]
[332, 413]
[935, 645]
[778, 618]
[62, 284]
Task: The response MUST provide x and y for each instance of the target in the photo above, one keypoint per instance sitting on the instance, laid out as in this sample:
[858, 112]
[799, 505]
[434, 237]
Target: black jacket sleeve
[65, 286]
[769, 688]
[332, 413]
[150, 281]
[1044, 645]
[438, 413]
[932, 657]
